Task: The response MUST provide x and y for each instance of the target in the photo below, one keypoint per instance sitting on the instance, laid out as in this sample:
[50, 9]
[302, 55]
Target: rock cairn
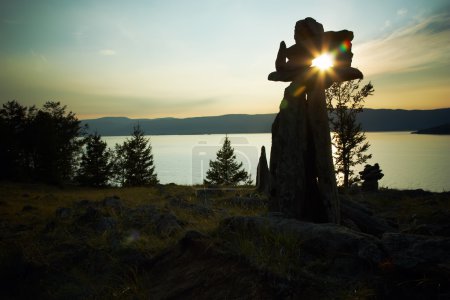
[370, 176]
[302, 179]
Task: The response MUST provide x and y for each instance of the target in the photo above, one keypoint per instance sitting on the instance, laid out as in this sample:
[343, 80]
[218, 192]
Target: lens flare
[345, 46]
[323, 62]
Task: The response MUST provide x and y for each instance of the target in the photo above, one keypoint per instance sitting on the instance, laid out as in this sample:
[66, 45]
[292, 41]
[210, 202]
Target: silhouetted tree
[345, 100]
[95, 166]
[38, 144]
[54, 136]
[133, 161]
[13, 124]
[225, 170]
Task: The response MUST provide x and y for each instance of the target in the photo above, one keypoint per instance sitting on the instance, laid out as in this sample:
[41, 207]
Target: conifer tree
[134, 165]
[13, 125]
[225, 170]
[345, 101]
[54, 135]
[95, 167]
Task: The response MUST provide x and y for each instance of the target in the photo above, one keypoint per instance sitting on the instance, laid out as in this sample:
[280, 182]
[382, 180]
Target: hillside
[181, 242]
[371, 119]
[441, 129]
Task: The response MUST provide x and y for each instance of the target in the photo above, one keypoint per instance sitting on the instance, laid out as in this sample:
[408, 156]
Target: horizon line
[241, 114]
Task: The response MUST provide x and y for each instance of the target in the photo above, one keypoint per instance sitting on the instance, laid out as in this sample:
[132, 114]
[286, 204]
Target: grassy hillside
[166, 242]
[96, 250]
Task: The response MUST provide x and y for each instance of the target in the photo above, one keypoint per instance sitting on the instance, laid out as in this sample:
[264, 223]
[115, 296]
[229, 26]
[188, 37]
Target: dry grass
[71, 260]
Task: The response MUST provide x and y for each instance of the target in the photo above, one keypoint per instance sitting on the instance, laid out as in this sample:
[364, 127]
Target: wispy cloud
[406, 49]
[107, 52]
[387, 24]
[402, 12]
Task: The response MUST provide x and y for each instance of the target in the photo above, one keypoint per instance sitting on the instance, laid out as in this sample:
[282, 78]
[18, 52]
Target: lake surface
[408, 161]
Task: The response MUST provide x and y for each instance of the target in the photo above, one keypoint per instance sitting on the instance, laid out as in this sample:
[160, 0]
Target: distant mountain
[371, 119]
[402, 120]
[442, 129]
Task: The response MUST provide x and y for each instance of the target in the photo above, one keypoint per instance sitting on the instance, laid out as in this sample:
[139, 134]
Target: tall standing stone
[262, 173]
[293, 188]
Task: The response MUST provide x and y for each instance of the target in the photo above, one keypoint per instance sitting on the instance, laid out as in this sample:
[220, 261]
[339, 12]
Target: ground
[168, 242]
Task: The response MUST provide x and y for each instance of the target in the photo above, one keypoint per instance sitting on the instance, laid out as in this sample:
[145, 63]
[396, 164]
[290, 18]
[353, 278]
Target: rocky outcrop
[105, 217]
[344, 252]
[263, 174]
[362, 219]
[396, 266]
[198, 209]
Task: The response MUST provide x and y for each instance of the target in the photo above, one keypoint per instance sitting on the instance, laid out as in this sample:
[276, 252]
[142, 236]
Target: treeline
[49, 145]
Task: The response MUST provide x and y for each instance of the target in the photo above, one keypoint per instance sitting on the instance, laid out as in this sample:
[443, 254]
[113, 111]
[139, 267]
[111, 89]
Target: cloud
[107, 52]
[402, 12]
[387, 25]
[410, 48]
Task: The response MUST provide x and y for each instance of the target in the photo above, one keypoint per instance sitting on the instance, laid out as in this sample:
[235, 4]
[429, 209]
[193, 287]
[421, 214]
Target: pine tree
[95, 167]
[226, 170]
[345, 101]
[134, 164]
[54, 136]
[13, 124]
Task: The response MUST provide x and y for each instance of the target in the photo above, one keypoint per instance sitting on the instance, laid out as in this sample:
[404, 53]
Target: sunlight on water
[409, 161]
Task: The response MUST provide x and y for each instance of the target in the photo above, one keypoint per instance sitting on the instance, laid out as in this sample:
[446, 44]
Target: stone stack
[370, 176]
[302, 182]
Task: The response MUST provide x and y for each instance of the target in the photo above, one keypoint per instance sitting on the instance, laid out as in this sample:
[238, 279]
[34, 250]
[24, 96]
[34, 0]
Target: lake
[408, 161]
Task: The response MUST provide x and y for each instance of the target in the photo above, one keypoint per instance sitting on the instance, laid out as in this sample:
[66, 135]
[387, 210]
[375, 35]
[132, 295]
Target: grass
[71, 259]
[409, 208]
[66, 258]
[268, 250]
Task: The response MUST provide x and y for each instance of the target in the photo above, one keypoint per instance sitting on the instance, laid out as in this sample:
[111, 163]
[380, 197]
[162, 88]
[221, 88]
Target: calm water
[408, 161]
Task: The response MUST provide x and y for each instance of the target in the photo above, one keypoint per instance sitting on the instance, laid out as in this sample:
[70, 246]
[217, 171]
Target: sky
[175, 58]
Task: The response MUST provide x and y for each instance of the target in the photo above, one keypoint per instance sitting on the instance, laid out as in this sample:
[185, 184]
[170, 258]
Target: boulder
[418, 253]
[246, 202]
[167, 225]
[112, 202]
[140, 216]
[198, 209]
[363, 218]
[63, 213]
[28, 207]
[429, 229]
[83, 203]
[418, 267]
[106, 224]
[89, 217]
[344, 252]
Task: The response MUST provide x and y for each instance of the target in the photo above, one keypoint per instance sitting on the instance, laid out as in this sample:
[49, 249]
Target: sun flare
[323, 62]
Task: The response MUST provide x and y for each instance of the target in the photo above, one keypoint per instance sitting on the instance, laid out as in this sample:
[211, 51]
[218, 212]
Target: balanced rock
[303, 182]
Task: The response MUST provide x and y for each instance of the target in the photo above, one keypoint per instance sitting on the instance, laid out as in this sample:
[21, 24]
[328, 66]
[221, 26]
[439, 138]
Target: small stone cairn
[370, 176]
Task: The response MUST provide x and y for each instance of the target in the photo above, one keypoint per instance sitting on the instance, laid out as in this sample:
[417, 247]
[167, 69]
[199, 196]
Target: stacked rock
[371, 175]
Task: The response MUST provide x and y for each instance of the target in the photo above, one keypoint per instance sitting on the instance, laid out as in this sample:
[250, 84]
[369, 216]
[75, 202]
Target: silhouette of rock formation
[303, 183]
[263, 174]
[371, 175]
